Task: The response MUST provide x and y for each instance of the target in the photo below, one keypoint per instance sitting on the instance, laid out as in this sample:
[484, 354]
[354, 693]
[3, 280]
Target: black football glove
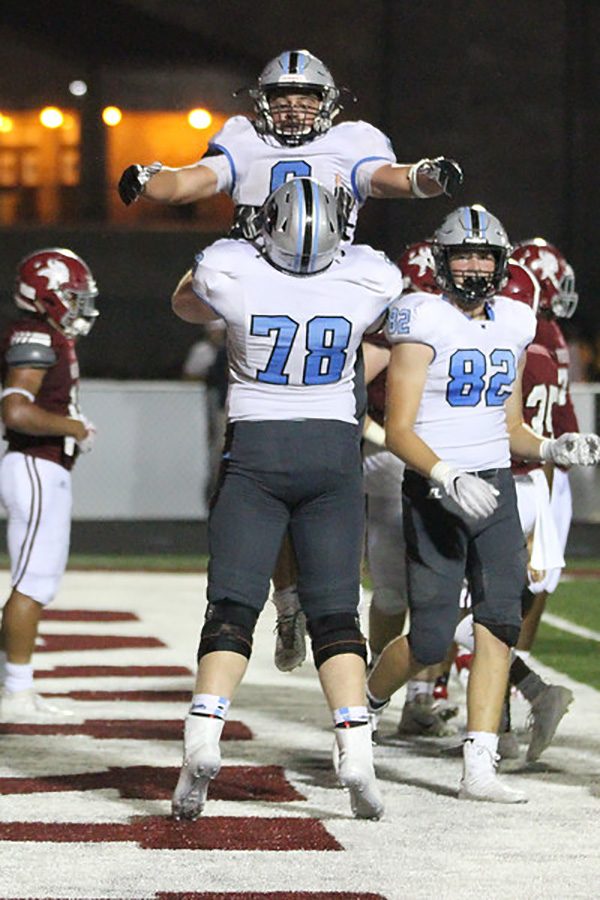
[134, 179]
[445, 172]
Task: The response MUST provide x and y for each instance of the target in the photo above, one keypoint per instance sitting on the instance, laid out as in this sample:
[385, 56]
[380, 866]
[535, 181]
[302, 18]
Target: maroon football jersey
[58, 393]
[541, 391]
[376, 388]
[550, 336]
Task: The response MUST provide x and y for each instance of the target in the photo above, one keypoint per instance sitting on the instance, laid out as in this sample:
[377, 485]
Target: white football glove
[87, 443]
[475, 496]
[572, 449]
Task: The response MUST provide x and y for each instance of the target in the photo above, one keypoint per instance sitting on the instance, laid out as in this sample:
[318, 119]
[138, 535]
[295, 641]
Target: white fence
[151, 456]
[150, 460]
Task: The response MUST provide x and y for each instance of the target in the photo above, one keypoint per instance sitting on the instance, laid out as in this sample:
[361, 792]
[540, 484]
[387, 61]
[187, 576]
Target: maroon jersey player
[45, 431]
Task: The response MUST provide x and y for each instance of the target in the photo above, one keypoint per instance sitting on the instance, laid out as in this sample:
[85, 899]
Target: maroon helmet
[521, 285]
[556, 277]
[58, 285]
[418, 268]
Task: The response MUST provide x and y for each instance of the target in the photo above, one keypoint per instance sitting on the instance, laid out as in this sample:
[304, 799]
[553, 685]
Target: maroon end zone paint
[53, 643]
[163, 833]
[235, 783]
[88, 615]
[111, 671]
[124, 729]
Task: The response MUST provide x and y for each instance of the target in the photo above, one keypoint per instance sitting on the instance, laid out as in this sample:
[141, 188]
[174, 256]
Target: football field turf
[84, 804]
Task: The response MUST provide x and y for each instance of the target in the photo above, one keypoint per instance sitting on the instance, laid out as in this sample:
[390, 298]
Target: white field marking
[565, 625]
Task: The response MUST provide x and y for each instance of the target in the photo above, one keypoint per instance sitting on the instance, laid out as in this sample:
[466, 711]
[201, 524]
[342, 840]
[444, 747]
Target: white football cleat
[201, 763]
[27, 706]
[480, 781]
[353, 763]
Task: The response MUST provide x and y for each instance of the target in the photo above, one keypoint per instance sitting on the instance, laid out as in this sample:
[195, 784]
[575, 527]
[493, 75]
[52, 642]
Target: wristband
[440, 472]
[412, 177]
[25, 393]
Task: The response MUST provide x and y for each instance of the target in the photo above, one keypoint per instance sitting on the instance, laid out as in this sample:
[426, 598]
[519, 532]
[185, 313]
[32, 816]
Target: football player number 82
[326, 343]
[473, 375]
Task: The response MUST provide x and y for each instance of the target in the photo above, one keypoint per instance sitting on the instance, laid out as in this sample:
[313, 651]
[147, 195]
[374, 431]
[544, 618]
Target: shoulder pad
[233, 127]
[31, 350]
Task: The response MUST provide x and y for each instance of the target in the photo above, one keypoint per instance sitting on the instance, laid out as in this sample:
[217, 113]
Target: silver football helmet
[295, 72]
[476, 228]
[301, 227]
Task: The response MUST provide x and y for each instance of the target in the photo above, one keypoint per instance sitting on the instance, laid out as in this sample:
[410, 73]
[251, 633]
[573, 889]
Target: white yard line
[565, 625]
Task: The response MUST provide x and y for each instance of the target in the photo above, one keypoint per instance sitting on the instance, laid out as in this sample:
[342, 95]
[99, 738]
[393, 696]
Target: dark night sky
[508, 88]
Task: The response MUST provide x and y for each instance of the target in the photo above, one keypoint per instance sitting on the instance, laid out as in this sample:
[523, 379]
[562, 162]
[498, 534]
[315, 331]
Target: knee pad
[508, 634]
[228, 626]
[335, 634]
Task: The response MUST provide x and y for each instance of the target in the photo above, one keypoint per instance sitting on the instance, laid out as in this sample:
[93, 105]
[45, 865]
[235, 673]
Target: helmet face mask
[292, 74]
[301, 227]
[558, 296]
[471, 229]
[59, 286]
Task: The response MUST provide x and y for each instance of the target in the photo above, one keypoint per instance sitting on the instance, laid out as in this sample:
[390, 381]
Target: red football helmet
[58, 285]
[418, 268]
[556, 277]
[521, 285]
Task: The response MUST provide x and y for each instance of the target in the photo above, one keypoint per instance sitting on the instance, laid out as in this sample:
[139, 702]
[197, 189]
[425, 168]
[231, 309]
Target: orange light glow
[111, 115]
[51, 117]
[199, 118]
[6, 124]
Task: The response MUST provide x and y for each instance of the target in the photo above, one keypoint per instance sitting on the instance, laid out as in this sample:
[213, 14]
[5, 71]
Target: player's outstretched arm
[165, 185]
[423, 179]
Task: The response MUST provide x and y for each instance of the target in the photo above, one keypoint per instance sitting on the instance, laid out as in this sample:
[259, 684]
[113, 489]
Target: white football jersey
[292, 341]
[461, 416]
[346, 155]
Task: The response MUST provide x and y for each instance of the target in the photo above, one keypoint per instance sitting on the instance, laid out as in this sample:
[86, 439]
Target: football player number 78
[326, 341]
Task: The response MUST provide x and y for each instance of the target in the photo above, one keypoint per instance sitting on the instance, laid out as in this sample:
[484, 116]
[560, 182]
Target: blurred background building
[510, 89]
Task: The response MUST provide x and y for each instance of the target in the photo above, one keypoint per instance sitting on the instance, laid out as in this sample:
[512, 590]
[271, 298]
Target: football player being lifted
[292, 135]
[454, 416]
[296, 307]
[45, 431]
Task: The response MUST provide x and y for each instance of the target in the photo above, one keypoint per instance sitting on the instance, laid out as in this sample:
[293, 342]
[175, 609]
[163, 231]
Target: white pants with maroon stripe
[37, 496]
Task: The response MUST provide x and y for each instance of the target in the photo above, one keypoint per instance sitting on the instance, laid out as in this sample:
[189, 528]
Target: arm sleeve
[373, 149]
[220, 164]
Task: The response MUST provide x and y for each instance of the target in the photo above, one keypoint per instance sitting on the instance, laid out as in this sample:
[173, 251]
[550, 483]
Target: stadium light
[111, 115]
[6, 124]
[78, 88]
[51, 117]
[199, 118]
